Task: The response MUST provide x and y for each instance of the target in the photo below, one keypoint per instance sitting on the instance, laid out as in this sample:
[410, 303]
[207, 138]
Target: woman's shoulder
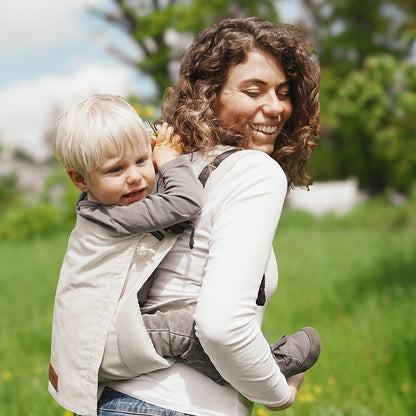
[254, 162]
[246, 170]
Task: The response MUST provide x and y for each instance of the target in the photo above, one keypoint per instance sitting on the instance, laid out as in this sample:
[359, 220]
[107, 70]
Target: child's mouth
[134, 196]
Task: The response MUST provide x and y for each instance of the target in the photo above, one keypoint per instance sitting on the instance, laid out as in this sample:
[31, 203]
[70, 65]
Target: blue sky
[52, 54]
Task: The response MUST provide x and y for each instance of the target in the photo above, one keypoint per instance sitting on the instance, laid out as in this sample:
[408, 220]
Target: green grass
[352, 278]
[28, 278]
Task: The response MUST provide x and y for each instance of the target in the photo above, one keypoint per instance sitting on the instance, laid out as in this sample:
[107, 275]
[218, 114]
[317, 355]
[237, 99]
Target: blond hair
[87, 128]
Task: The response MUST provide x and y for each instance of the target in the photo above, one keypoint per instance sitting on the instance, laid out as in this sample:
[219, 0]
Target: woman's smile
[264, 129]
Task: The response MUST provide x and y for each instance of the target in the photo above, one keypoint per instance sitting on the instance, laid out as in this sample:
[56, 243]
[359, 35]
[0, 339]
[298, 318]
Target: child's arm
[181, 200]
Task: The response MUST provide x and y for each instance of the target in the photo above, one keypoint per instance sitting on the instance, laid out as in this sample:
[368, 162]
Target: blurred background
[354, 231]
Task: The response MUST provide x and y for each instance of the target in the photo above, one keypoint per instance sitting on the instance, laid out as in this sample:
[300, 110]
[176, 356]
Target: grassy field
[352, 278]
[28, 277]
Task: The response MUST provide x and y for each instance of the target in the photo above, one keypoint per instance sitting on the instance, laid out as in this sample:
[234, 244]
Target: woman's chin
[263, 147]
[263, 142]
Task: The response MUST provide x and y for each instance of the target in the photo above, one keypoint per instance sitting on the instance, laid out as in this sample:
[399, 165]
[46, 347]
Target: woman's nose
[272, 105]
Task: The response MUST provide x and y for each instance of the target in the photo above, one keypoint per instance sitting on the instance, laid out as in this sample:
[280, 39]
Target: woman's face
[257, 92]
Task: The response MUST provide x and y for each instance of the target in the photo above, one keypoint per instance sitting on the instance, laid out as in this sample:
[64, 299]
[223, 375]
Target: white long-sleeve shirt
[232, 251]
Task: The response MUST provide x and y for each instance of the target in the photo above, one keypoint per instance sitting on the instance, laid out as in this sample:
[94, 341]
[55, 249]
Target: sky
[54, 53]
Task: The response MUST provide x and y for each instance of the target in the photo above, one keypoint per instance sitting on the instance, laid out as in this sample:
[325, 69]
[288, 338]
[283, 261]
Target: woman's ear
[77, 179]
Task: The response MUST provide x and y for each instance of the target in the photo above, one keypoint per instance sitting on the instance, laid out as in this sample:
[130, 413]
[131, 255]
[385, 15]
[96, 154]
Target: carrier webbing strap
[207, 170]
[203, 177]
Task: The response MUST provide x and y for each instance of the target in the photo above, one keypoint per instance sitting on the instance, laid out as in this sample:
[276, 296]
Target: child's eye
[116, 169]
[141, 161]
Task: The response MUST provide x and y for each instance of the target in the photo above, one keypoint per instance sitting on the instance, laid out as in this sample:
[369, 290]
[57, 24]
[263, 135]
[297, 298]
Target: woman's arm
[181, 201]
[294, 383]
[247, 207]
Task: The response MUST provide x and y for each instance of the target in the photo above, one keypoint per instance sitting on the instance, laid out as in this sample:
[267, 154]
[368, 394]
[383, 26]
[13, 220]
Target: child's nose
[134, 175]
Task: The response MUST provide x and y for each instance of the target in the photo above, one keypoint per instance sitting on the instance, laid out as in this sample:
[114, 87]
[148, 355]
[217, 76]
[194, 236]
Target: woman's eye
[283, 95]
[252, 93]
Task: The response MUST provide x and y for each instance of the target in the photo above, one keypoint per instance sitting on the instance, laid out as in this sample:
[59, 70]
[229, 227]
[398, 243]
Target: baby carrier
[126, 349]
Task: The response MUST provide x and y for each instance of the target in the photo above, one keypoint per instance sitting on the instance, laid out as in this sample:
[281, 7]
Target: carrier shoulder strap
[203, 177]
[207, 170]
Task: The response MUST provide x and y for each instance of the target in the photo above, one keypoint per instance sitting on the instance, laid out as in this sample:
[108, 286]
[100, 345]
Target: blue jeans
[113, 403]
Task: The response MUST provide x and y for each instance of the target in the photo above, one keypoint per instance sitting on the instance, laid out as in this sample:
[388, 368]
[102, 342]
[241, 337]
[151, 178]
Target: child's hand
[167, 146]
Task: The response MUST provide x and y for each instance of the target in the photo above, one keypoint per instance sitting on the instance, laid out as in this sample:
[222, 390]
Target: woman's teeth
[265, 129]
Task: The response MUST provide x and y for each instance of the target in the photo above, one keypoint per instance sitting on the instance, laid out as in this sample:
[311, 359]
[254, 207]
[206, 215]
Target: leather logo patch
[53, 377]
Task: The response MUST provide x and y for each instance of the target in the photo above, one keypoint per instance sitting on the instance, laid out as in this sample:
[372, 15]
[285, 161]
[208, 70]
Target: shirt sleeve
[181, 201]
[248, 203]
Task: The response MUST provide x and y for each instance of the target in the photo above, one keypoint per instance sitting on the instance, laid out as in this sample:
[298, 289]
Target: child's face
[122, 179]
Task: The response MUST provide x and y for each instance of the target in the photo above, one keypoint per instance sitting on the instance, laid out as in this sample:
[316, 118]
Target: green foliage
[148, 23]
[367, 91]
[374, 113]
[8, 189]
[148, 112]
[350, 31]
[199, 14]
[28, 218]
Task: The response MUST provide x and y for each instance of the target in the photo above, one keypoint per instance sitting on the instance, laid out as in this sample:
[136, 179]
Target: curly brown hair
[191, 105]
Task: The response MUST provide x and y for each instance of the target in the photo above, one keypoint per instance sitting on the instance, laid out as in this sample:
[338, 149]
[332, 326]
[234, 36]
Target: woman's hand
[294, 383]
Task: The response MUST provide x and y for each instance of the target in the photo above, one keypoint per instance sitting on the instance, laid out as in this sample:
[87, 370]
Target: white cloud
[30, 108]
[45, 44]
[28, 23]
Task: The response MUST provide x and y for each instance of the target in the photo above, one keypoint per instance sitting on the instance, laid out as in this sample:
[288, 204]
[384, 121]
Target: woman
[253, 85]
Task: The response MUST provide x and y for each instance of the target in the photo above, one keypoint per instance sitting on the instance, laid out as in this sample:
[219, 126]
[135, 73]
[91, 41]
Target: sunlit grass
[29, 270]
[356, 285]
[352, 278]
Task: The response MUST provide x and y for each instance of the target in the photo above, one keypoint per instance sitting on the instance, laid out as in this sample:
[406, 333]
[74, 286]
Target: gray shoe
[296, 353]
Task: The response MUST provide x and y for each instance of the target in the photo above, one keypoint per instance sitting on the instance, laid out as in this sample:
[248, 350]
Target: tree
[365, 49]
[374, 134]
[163, 29]
[347, 32]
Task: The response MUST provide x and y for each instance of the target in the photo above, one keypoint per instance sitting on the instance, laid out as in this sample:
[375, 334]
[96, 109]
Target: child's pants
[173, 335]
